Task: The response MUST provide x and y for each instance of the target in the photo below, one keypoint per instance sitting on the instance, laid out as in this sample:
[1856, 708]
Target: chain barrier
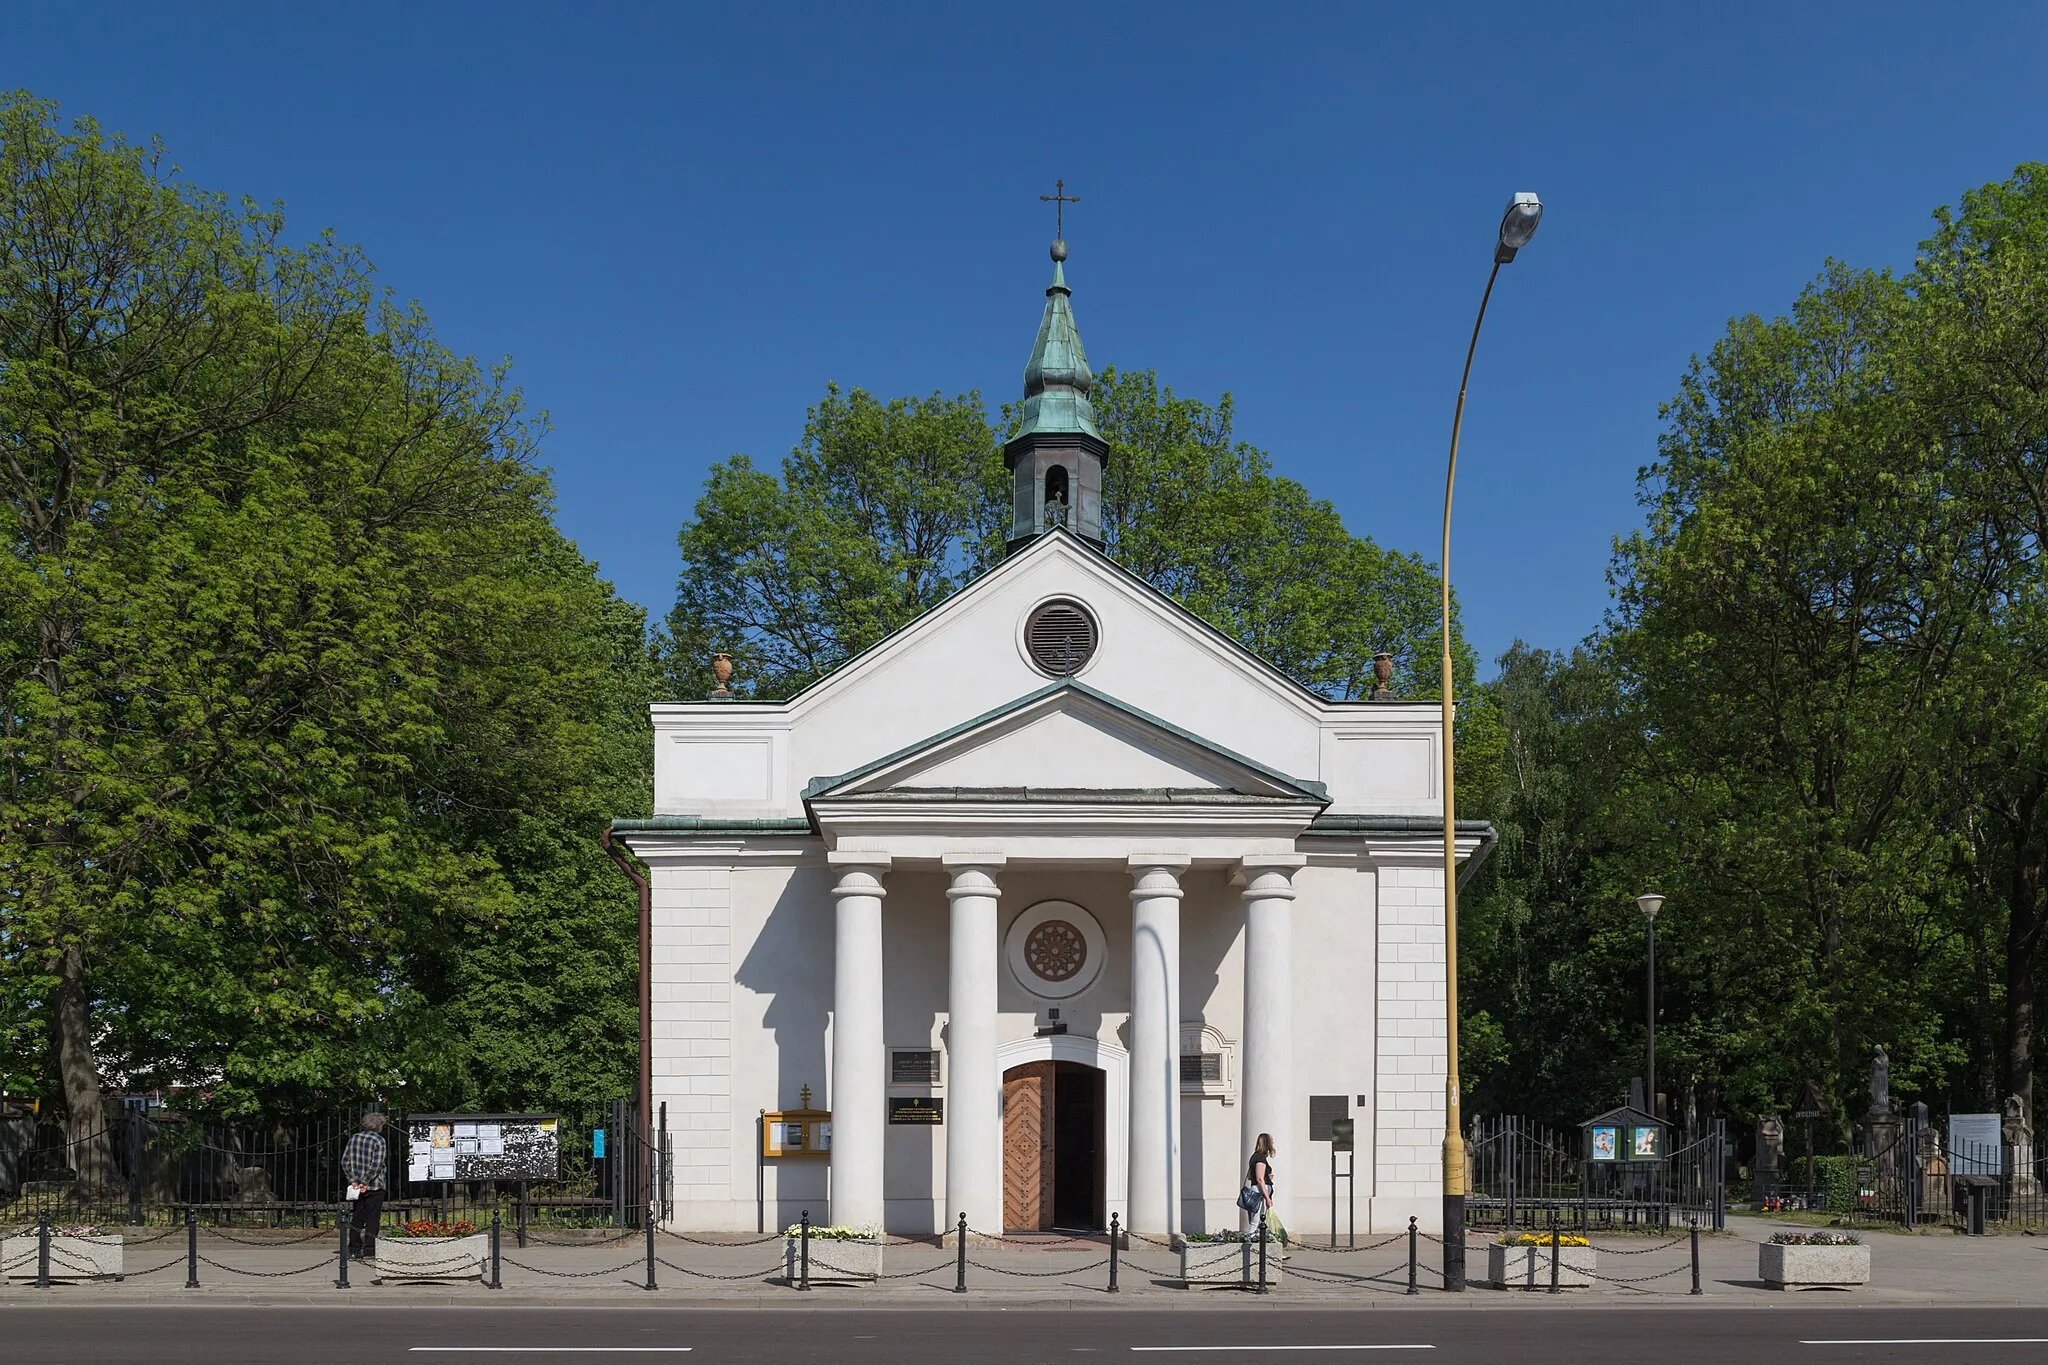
[317, 1235]
[138, 1274]
[627, 1236]
[817, 1265]
[1293, 1247]
[635, 1264]
[1035, 1239]
[1040, 1274]
[708, 1242]
[1339, 1277]
[1635, 1251]
[325, 1263]
[770, 1273]
[1640, 1279]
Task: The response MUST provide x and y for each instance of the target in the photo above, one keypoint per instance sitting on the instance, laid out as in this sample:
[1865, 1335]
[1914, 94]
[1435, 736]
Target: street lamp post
[1517, 226]
[1650, 903]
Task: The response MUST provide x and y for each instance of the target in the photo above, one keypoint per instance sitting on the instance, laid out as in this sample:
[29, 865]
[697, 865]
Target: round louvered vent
[1060, 637]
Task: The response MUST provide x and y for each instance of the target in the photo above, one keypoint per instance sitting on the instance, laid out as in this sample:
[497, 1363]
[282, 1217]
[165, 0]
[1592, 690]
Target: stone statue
[1770, 1143]
[1880, 1081]
[2016, 1126]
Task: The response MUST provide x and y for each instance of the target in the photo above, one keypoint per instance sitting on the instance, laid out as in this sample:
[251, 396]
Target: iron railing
[1519, 1171]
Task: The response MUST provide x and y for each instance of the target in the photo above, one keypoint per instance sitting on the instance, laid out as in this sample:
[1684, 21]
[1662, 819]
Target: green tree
[887, 509]
[286, 635]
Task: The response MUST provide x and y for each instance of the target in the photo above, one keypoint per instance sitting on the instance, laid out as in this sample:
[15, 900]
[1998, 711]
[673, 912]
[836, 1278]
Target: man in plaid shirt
[364, 1161]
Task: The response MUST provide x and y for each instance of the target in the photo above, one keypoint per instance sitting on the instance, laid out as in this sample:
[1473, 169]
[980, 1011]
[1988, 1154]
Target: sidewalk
[251, 1267]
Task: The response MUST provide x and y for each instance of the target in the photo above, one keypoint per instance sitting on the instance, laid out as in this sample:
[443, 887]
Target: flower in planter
[833, 1234]
[428, 1227]
[1814, 1239]
[1542, 1239]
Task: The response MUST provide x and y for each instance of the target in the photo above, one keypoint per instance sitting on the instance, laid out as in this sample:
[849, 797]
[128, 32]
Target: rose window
[1055, 950]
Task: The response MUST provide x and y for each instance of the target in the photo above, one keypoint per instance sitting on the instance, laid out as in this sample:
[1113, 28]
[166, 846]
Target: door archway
[1111, 1099]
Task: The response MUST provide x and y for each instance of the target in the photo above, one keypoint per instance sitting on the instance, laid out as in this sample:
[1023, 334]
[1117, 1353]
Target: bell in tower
[1057, 457]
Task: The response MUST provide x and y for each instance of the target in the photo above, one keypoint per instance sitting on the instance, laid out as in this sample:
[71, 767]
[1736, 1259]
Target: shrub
[1542, 1239]
[1814, 1239]
[832, 1234]
[428, 1227]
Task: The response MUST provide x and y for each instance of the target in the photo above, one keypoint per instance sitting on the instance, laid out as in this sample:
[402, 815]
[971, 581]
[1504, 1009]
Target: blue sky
[681, 221]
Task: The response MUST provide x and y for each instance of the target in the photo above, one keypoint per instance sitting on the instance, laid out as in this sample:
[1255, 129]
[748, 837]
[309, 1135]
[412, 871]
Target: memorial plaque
[908, 1066]
[918, 1110]
[1323, 1113]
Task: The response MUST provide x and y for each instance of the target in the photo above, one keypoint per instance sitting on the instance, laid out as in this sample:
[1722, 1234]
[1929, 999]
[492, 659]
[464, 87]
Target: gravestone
[2017, 1129]
[1770, 1155]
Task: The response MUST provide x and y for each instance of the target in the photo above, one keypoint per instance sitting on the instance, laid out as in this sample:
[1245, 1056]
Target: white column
[859, 1061]
[1267, 1101]
[1155, 1043]
[974, 1085]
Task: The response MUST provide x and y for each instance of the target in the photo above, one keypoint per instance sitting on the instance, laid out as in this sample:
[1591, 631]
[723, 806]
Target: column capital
[1268, 876]
[973, 874]
[858, 874]
[1156, 876]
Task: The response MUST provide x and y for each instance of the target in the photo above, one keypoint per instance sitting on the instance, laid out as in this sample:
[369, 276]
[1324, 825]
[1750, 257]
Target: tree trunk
[87, 1130]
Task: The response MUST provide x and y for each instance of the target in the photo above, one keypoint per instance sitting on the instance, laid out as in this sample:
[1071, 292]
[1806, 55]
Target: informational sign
[1606, 1142]
[597, 1142]
[1341, 1133]
[483, 1147]
[796, 1132]
[1645, 1143]
[1973, 1144]
[920, 1110]
[1323, 1113]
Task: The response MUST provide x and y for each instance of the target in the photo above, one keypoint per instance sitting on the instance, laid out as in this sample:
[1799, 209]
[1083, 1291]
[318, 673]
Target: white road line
[1930, 1341]
[1376, 1346]
[583, 1349]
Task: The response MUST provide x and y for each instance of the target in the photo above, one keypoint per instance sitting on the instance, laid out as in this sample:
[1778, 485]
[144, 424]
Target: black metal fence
[289, 1172]
[1517, 1172]
[1909, 1173]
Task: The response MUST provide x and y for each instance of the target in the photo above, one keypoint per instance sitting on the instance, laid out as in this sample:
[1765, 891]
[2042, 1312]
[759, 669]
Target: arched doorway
[1054, 1139]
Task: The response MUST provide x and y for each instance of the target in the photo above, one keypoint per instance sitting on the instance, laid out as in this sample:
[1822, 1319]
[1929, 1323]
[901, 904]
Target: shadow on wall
[790, 962]
[1203, 947]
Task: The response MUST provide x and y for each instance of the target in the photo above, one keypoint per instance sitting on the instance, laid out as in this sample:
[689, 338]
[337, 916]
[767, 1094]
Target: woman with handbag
[1256, 1198]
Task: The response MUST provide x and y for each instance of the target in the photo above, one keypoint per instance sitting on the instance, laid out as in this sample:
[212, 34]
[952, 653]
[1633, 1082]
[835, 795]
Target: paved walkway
[568, 1269]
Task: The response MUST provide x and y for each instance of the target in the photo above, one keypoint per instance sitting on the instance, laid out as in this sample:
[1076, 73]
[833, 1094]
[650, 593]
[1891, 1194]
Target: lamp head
[1517, 226]
[1649, 903]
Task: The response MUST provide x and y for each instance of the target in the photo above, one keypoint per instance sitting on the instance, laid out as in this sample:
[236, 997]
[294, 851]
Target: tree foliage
[1816, 715]
[886, 509]
[305, 707]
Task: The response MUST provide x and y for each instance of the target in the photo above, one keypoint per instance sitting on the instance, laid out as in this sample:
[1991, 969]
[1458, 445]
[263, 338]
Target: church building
[1051, 902]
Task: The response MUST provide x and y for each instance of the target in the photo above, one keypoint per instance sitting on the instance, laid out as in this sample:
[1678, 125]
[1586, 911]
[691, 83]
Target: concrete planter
[1231, 1263]
[833, 1259]
[1529, 1267]
[433, 1258]
[71, 1258]
[1796, 1267]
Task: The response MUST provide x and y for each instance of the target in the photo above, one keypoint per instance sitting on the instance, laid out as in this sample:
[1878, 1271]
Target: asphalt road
[225, 1335]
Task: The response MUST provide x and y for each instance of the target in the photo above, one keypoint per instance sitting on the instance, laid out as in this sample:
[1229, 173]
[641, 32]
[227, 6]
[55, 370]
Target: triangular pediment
[1068, 738]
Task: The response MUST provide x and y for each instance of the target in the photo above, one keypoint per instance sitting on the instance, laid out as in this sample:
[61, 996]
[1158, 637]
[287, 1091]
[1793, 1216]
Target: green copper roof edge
[824, 786]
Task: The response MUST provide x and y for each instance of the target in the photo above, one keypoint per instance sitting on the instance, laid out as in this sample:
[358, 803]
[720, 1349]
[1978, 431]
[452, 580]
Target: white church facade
[1055, 900]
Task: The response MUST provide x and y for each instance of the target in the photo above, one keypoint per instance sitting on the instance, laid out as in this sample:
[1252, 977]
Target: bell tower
[1057, 457]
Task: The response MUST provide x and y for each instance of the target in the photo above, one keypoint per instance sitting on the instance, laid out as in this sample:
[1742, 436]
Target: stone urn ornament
[721, 671]
[1383, 675]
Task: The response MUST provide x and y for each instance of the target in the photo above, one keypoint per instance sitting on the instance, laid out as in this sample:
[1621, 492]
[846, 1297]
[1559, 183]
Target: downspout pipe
[646, 1097]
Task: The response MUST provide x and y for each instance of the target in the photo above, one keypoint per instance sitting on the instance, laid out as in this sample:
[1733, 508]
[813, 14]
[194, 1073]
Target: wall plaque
[916, 1110]
[1323, 1113]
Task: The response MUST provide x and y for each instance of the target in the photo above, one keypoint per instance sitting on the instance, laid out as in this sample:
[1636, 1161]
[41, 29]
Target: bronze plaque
[917, 1110]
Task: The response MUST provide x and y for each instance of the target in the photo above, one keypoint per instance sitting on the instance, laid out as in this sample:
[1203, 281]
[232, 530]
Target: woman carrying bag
[1256, 1198]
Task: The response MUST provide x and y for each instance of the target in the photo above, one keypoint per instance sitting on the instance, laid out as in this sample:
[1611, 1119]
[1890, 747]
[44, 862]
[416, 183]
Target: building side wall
[1335, 1032]
[1408, 1123]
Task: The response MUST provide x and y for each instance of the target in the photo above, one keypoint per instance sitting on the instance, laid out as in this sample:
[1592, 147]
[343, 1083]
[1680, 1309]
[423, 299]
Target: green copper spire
[1057, 457]
[1057, 380]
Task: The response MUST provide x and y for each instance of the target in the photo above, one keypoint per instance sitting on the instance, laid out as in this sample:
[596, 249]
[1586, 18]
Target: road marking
[1376, 1346]
[1930, 1341]
[584, 1349]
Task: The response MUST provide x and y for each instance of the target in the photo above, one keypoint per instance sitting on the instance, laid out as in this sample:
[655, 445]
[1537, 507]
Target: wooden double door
[1053, 1124]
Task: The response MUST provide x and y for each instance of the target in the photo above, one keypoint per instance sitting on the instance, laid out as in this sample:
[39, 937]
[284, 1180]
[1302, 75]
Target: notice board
[483, 1147]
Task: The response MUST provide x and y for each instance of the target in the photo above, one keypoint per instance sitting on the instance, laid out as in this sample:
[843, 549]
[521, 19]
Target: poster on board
[483, 1147]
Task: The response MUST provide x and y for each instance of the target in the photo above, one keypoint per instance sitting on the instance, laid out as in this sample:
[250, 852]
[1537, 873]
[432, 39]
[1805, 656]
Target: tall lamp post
[1650, 903]
[1517, 226]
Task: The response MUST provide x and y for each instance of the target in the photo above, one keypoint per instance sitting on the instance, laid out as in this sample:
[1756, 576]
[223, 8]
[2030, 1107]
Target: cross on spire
[1059, 199]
